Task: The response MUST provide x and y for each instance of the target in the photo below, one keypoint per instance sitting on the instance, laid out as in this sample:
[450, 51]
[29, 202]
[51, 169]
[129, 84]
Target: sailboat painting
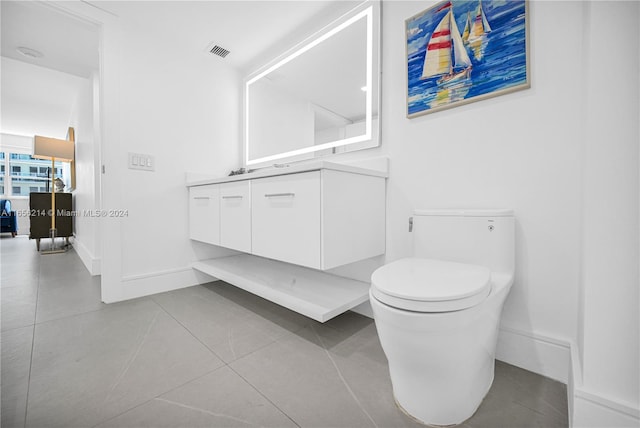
[460, 51]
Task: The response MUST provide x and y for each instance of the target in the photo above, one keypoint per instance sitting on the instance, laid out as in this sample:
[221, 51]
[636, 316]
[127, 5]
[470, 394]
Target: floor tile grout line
[26, 404]
[158, 396]
[341, 376]
[71, 316]
[254, 351]
[33, 342]
[37, 260]
[212, 351]
[255, 388]
[197, 409]
[229, 363]
[540, 412]
[188, 331]
[224, 364]
[267, 344]
[132, 357]
[16, 328]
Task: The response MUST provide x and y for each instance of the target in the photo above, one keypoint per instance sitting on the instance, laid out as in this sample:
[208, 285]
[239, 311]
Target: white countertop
[292, 169]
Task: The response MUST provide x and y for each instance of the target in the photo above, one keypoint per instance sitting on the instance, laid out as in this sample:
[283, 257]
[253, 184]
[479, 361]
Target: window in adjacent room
[19, 182]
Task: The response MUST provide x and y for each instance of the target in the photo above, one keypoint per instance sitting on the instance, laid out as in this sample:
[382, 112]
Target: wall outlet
[142, 162]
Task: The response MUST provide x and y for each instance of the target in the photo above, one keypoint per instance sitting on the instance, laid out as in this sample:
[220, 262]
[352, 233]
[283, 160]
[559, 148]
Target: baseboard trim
[545, 355]
[587, 408]
[92, 263]
[134, 286]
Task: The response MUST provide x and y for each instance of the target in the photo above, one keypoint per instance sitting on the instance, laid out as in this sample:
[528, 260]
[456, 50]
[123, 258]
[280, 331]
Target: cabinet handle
[232, 197]
[201, 197]
[275, 195]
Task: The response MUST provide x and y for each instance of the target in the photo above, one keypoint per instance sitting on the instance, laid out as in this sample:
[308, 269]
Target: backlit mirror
[320, 98]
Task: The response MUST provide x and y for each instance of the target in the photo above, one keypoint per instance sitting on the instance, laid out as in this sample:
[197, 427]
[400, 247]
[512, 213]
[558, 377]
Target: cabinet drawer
[235, 215]
[286, 218]
[204, 215]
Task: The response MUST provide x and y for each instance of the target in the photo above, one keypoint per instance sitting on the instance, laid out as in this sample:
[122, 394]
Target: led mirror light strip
[368, 13]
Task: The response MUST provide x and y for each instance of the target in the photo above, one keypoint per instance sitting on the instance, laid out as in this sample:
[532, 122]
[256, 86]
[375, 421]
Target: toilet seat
[427, 285]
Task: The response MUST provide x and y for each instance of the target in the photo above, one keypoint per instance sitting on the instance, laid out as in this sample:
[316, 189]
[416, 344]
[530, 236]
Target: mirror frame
[362, 11]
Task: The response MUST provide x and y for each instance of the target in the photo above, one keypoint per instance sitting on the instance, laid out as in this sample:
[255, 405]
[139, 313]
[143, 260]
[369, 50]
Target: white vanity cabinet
[235, 215]
[291, 225]
[204, 214]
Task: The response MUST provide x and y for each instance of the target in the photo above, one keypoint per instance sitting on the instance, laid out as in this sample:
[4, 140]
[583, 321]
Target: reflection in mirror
[320, 99]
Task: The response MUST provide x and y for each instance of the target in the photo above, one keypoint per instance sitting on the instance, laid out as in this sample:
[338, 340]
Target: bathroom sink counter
[290, 169]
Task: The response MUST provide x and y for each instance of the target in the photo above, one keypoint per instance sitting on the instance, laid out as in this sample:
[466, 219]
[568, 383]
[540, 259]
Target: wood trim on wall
[71, 136]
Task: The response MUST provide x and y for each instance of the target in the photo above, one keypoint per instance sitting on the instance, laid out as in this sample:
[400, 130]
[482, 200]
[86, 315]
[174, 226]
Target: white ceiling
[36, 100]
[68, 44]
[248, 29]
[38, 95]
[253, 31]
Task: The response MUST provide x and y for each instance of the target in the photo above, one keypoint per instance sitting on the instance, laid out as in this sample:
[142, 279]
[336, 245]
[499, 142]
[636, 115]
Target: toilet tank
[480, 237]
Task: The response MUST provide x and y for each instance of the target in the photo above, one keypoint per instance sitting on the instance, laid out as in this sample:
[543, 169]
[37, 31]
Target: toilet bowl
[437, 314]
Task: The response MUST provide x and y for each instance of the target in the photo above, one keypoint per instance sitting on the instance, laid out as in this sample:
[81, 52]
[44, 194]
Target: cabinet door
[204, 214]
[235, 215]
[286, 218]
[353, 217]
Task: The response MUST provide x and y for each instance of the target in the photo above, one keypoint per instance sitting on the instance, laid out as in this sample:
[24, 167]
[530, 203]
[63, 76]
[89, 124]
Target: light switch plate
[141, 161]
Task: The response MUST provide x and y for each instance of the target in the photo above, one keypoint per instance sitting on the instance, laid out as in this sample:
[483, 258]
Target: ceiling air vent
[219, 50]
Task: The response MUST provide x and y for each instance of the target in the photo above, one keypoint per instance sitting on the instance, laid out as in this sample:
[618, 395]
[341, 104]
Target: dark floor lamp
[56, 150]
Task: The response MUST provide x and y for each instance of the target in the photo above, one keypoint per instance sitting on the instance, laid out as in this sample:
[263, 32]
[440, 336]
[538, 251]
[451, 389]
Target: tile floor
[204, 356]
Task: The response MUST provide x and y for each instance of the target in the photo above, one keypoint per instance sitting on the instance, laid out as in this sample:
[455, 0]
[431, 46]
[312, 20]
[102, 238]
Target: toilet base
[410, 416]
[413, 418]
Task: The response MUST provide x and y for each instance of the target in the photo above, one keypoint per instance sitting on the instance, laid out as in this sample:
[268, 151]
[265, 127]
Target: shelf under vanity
[292, 224]
[315, 294]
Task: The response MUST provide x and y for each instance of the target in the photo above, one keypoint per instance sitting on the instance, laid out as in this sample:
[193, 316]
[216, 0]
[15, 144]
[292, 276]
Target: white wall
[607, 390]
[182, 107]
[178, 104]
[86, 193]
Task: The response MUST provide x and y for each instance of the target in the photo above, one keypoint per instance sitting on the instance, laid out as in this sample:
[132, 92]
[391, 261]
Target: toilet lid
[426, 285]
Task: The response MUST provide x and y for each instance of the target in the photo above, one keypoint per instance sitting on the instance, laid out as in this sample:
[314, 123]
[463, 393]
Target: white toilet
[437, 314]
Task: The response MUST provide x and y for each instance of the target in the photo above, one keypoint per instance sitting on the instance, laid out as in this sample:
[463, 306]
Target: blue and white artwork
[465, 50]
